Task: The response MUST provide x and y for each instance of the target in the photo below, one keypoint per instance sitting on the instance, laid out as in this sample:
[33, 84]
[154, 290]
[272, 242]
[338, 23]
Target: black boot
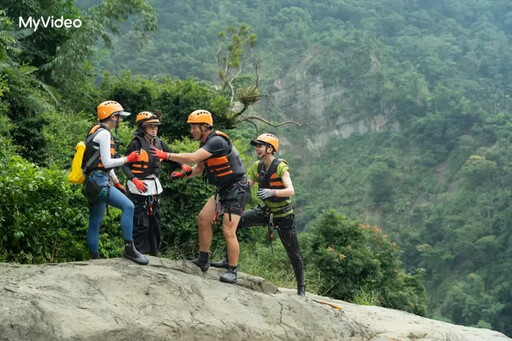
[222, 263]
[131, 252]
[95, 255]
[203, 261]
[230, 275]
[301, 290]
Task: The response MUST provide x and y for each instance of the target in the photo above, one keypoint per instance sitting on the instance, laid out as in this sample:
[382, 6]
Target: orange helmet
[145, 118]
[108, 108]
[267, 139]
[200, 116]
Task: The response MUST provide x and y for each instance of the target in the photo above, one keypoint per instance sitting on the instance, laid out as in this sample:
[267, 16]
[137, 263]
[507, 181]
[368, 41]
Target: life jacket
[148, 163]
[222, 171]
[267, 178]
[92, 157]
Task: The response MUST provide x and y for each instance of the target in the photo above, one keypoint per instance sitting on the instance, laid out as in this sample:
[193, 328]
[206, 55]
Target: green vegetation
[436, 179]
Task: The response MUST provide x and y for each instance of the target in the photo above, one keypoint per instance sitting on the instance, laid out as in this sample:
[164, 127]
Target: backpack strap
[96, 153]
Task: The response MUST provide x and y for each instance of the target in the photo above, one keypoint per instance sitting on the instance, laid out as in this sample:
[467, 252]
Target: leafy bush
[43, 219]
[353, 262]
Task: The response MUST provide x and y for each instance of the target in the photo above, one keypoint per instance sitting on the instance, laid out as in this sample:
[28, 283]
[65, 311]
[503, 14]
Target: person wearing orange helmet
[99, 162]
[220, 163]
[275, 188]
[143, 182]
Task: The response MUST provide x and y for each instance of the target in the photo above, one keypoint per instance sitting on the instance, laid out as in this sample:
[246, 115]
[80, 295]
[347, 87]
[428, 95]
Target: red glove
[187, 169]
[133, 157]
[177, 175]
[141, 186]
[159, 153]
[120, 187]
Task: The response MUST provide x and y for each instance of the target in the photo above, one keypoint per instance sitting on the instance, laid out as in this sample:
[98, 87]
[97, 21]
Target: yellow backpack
[77, 176]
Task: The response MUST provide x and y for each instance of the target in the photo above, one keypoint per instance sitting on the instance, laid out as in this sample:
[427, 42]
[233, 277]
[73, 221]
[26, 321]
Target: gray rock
[115, 299]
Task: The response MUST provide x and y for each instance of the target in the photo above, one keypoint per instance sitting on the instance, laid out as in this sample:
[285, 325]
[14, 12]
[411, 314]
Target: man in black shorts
[221, 164]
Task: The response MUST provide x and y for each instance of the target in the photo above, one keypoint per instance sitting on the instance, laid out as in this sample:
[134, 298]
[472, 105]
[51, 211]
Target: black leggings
[287, 232]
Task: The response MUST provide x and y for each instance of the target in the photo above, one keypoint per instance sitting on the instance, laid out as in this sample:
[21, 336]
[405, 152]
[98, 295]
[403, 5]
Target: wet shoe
[95, 255]
[203, 261]
[221, 264]
[229, 276]
[131, 253]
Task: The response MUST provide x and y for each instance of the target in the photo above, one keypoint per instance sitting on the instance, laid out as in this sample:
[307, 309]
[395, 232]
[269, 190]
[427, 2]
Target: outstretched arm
[195, 157]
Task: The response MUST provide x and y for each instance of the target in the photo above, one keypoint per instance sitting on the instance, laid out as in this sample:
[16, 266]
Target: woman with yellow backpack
[99, 163]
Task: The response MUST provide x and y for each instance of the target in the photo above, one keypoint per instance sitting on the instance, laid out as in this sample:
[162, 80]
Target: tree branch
[299, 124]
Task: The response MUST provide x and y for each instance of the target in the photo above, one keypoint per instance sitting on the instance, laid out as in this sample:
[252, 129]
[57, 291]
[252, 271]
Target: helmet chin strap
[266, 152]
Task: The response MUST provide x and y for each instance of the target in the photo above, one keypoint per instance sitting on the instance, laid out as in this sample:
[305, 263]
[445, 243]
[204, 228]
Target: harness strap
[283, 209]
[270, 233]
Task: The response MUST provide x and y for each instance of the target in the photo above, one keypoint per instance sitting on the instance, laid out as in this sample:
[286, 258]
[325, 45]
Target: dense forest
[421, 204]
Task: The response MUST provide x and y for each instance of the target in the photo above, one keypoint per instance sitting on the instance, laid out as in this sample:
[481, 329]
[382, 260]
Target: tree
[352, 260]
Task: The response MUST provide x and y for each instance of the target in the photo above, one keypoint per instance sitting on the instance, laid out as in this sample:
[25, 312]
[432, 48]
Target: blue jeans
[97, 211]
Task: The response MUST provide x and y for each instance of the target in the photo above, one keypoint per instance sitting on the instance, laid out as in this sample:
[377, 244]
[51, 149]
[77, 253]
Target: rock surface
[115, 299]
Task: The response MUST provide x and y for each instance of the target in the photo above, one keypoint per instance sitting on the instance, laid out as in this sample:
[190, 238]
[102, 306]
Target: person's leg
[140, 223]
[233, 202]
[252, 217]
[94, 183]
[287, 233]
[154, 230]
[96, 214]
[229, 230]
[117, 199]
[204, 220]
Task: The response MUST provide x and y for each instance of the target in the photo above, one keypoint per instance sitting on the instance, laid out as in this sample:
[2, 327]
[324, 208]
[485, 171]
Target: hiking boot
[229, 276]
[131, 252]
[301, 290]
[203, 261]
[221, 264]
[95, 255]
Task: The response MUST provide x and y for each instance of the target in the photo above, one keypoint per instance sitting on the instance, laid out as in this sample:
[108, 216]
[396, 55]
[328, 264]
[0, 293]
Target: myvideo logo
[48, 22]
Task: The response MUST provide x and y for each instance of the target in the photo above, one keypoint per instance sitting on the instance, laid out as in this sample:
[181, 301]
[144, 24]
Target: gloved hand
[141, 185]
[187, 169]
[266, 193]
[177, 175]
[133, 157]
[120, 187]
[159, 153]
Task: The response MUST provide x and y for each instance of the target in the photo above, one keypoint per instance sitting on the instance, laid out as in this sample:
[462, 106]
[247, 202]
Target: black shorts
[234, 198]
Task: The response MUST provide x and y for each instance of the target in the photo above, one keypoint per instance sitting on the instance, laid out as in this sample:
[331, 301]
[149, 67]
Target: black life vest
[148, 163]
[267, 178]
[223, 171]
[92, 150]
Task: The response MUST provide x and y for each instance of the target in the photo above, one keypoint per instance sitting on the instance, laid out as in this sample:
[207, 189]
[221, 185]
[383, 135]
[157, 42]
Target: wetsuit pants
[287, 232]
[146, 223]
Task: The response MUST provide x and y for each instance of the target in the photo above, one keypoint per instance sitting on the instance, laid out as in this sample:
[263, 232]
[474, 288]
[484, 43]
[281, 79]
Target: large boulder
[116, 299]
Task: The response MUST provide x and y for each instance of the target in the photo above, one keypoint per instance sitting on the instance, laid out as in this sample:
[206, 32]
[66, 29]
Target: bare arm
[196, 170]
[195, 157]
[288, 190]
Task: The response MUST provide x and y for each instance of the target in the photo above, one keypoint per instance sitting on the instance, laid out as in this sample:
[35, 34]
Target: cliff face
[301, 98]
[115, 299]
